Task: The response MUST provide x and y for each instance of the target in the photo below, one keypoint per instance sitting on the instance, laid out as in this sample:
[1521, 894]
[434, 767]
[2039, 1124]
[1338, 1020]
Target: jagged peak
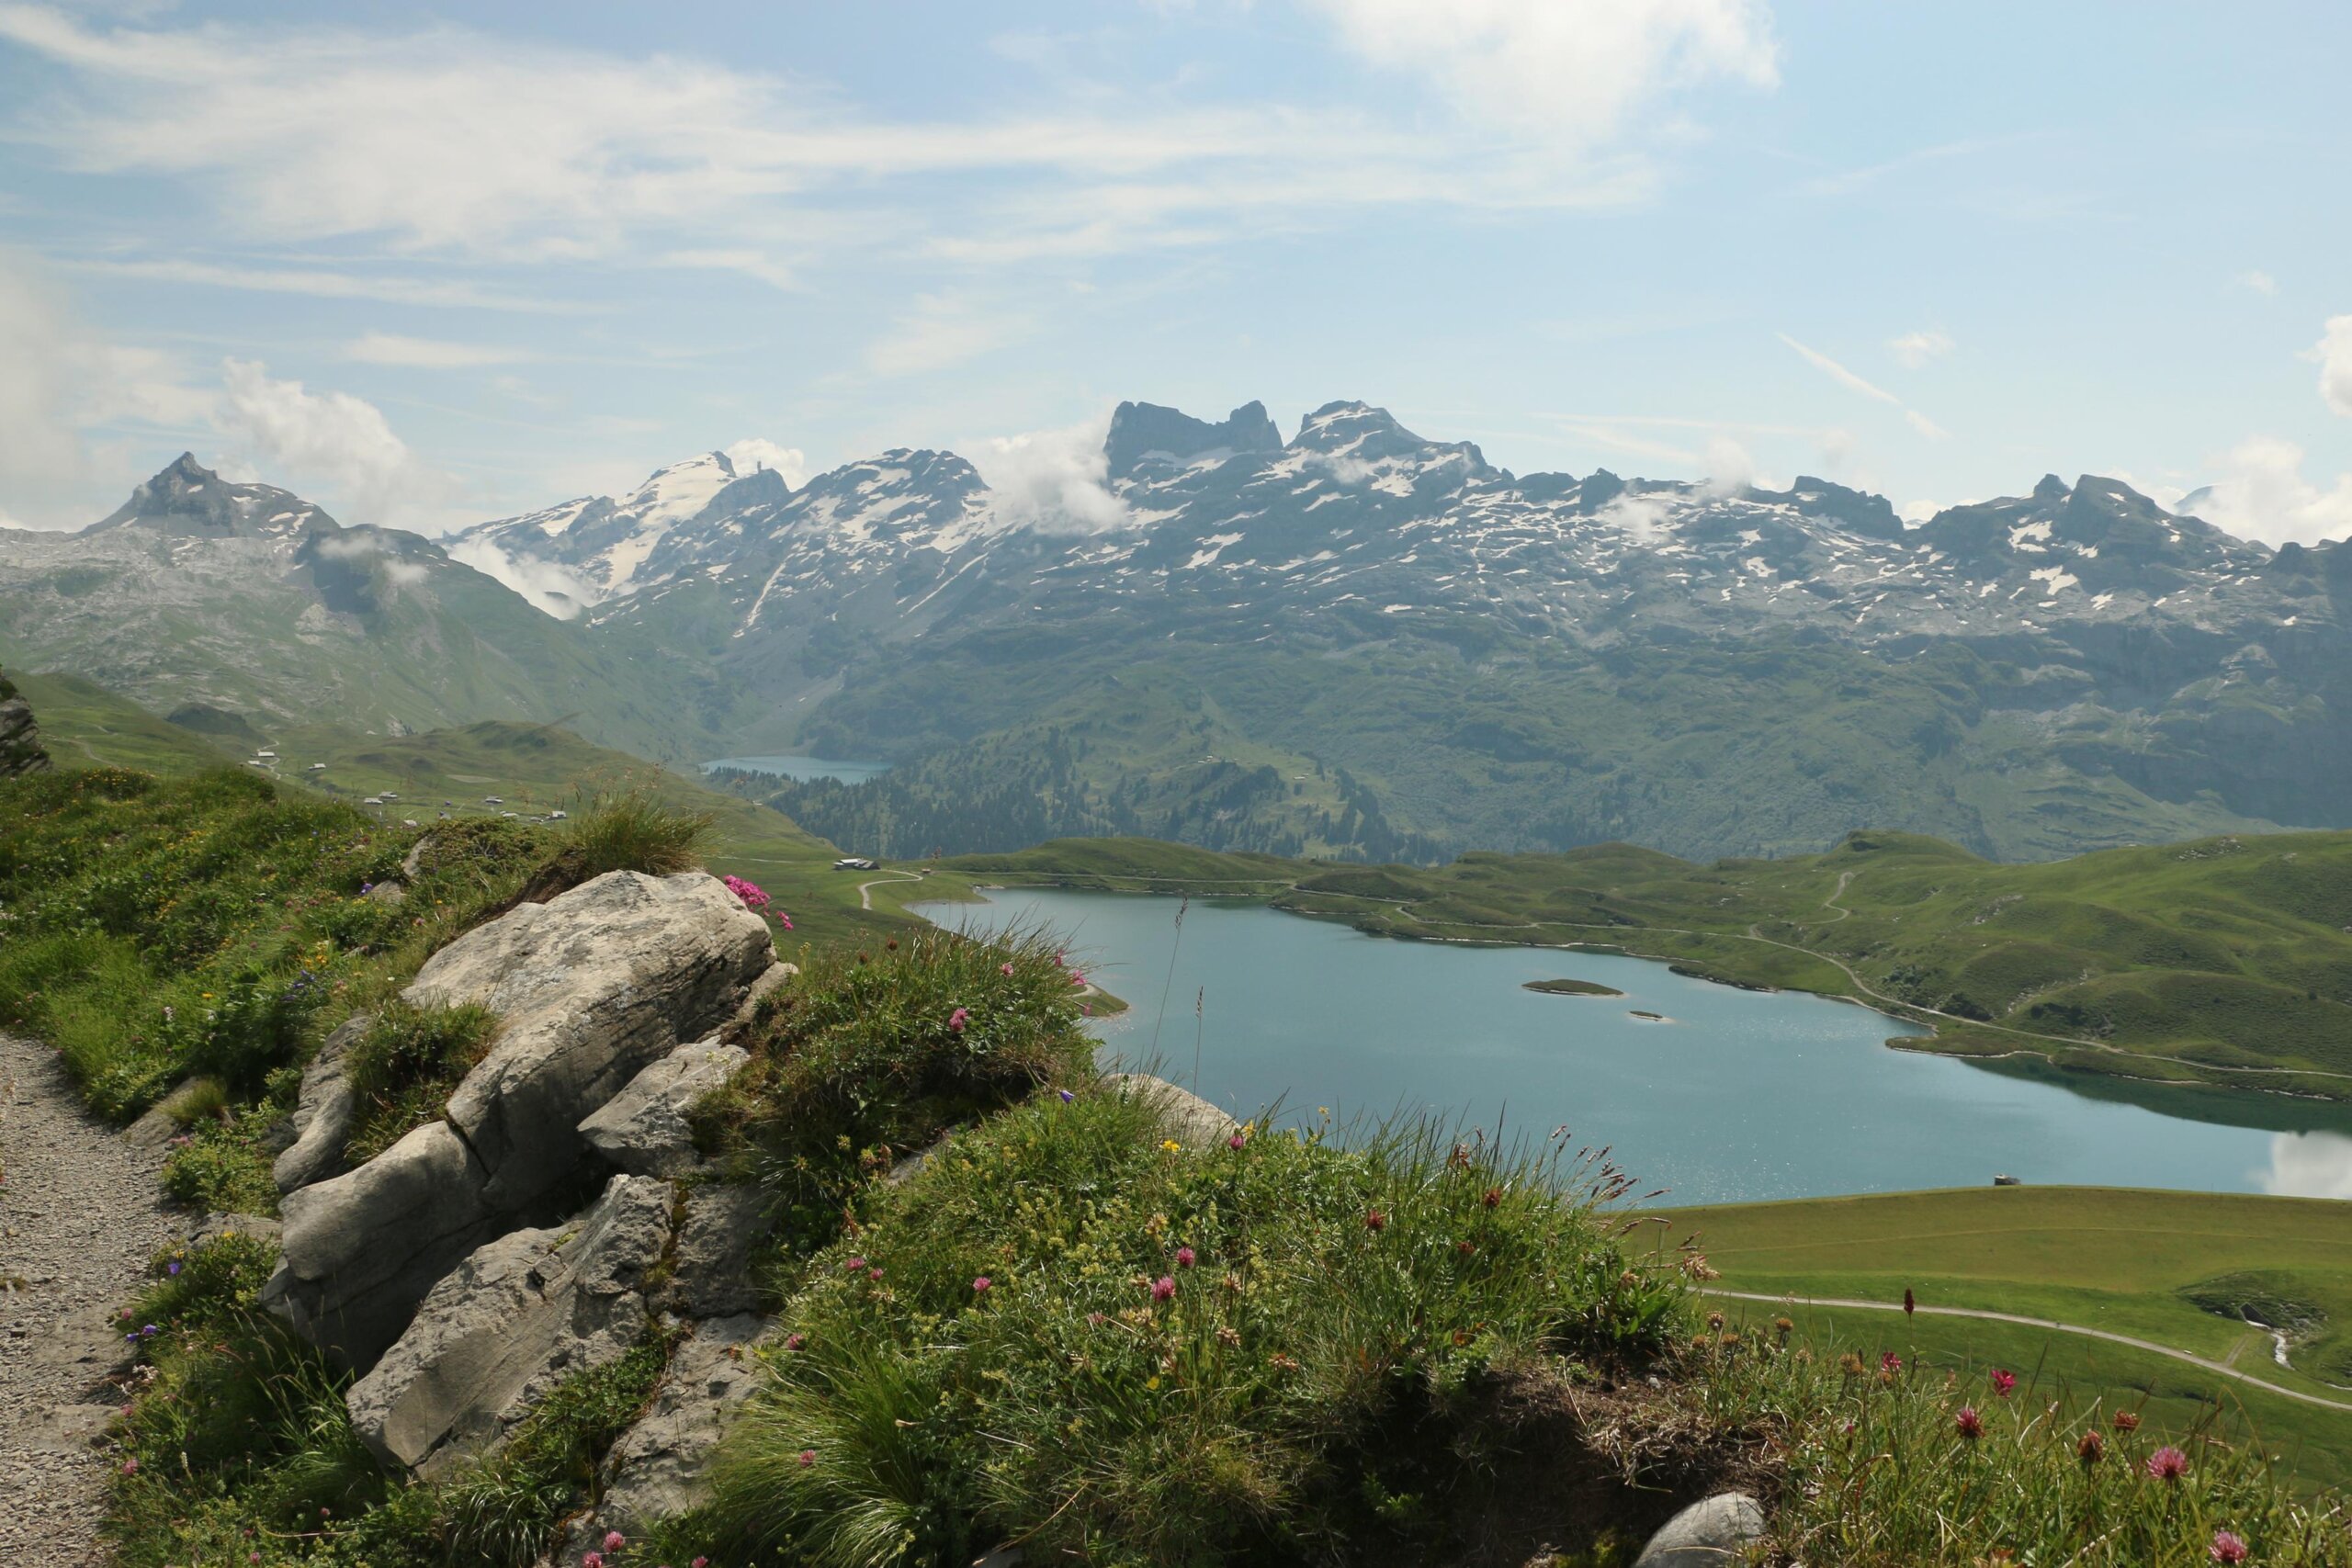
[1152, 435]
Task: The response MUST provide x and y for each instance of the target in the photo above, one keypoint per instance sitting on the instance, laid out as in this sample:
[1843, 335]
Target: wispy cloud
[2259, 281]
[1915, 349]
[1871, 389]
[2333, 351]
[429, 353]
[939, 330]
[329, 285]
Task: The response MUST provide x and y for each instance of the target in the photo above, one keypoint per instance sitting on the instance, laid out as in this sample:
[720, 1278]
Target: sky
[431, 267]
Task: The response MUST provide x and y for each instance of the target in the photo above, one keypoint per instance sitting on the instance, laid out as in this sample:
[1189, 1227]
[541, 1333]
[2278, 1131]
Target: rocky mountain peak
[1148, 435]
[187, 498]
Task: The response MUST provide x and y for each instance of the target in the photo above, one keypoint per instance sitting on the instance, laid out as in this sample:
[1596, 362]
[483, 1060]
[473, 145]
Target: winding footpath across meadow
[81, 1213]
[2220, 1368]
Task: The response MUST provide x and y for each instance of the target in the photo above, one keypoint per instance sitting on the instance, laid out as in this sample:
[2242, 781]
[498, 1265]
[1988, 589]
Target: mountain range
[1356, 642]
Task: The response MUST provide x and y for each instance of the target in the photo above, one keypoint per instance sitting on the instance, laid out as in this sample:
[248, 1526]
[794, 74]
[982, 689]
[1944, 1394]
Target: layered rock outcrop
[593, 988]
[20, 748]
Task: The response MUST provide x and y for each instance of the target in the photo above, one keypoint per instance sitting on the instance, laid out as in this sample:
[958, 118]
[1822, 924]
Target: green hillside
[2222, 960]
[85, 726]
[2182, 1269]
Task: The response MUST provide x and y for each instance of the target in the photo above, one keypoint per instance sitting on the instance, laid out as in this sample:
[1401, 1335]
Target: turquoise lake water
[803, 768]
[1739, 1095]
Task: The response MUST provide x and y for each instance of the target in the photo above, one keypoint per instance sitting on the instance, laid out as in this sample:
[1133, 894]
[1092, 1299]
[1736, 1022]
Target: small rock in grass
[1706, 1534]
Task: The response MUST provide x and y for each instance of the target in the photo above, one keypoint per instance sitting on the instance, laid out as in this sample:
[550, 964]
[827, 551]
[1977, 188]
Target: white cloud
[2264, 495]
[2333, 351]
[941, 329]
[1730, 468]
[551, 589]
[2259, 281]
[392, 291]
[1054, 480]
[1915, 349]
[1923, 425]
[753, 453]
[429, 353]
[442, 141]
[1642, 517]
[1574, 71]
[330, 437]
[1839, 373]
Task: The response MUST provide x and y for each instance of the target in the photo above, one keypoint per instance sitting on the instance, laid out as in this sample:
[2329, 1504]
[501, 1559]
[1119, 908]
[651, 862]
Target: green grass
[2155, 1266]
[85, 726]
[2224, 961]
[1068, 1332]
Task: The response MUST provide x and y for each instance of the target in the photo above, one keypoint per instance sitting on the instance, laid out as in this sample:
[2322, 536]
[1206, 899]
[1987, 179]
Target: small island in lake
[1571, 989]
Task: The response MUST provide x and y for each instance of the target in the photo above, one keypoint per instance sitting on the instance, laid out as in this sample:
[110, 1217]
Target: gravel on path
[81, 1213]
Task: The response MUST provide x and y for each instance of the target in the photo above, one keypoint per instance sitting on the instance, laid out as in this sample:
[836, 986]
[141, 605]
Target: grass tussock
[635, 830]
[404, 1067]
[1069, 1331]
[872, 1054]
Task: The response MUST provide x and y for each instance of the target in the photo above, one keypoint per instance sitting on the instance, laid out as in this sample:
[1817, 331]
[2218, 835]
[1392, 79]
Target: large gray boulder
[323, 1114]
[656, 1468]
[714, 1268]
[1712, 1534]
[593, 988]
[1184, 1115]
[643, 1129]
[508, 1324]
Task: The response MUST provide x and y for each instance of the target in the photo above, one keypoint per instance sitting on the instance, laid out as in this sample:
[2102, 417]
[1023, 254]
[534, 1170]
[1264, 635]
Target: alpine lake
[1714, 1093]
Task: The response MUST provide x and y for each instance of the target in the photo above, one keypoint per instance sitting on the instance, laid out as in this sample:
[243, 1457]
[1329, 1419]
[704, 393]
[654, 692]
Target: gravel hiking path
[81, 1213]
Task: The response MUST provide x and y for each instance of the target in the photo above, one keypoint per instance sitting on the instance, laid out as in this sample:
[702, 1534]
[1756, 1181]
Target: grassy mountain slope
[2222, 960]
[85, 726]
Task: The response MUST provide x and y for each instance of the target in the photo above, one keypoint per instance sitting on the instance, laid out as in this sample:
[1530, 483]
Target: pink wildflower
[2003, 1382]
[1185, 1258]
[1086, 1009]
[1163, 1288]
[2228, 1547]
[981, 1286]
[1890, 1362]
[1971, 1424]
[1375, 1221]
[130, 1467]
[2167, 1463]
[1004, 968]
[794, 1341]
[854, 1264]
[808, 1458]
[959, 1019]
[873, 1271]
[592, 1560]
[615, 1541]
[1077, 979]
[749, 892]
[1234, 1142]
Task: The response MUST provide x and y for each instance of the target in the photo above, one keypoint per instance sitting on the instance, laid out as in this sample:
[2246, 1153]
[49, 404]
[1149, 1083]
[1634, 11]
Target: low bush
[1069, 1331]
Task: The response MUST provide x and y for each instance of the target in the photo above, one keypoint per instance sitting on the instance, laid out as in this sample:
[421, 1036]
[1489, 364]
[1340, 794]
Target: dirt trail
[80, 1215]
[2221, 1368]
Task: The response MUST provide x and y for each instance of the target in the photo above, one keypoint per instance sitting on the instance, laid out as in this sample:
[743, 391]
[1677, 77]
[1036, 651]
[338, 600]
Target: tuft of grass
[403, 1069]
[1070, 1332]
[223, 1164]
[872, 1054]
[637, 831]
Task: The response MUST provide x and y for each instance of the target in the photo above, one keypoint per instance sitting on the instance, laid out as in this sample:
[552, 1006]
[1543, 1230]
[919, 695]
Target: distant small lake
[803, 768]
[1735, 1095]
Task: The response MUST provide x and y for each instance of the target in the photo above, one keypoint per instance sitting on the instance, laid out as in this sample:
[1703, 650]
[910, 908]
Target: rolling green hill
[2181, 1270]
[2222, 960]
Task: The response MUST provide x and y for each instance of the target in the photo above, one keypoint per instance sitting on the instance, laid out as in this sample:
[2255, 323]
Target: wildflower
[173, 1270]
[1235, 1142]
[1715, 1321]
[2228, 1547]
[875, 1272]
[1086, 1009]
[959, 1019]
[1172, 1146]
[615, 1541]
[1057, 960]
[794, 1341]
[980, 1285]
[747, 892]
[1375, 1221]
[1185, 1258]
[2167, 1463]
[1077, 980]
[1910, 1304]
[2003, 1382]
[699, 1563]
[808, 1458]
[592, 1560]
[1465, 1247]
[1163, 1288]
[1004, 968]
[1228, 1336]
[1890, 1362]
[1066, 1096]
[1969, 1424]
[130, 1467]
[1494, 1197]
[2092, 1449]
[2127, 1421]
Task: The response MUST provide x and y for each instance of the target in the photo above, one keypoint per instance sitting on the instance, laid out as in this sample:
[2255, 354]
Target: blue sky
[429, 267]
